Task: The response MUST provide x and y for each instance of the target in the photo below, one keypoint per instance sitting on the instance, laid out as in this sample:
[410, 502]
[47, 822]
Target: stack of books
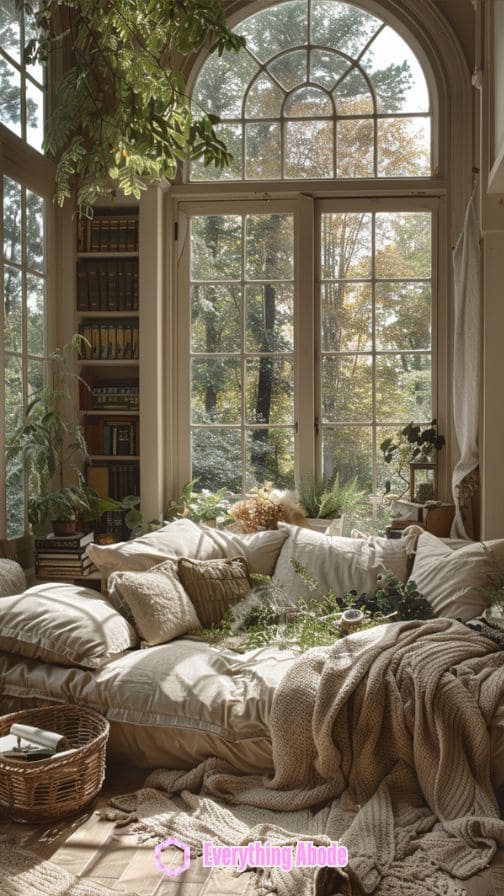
[63, 557]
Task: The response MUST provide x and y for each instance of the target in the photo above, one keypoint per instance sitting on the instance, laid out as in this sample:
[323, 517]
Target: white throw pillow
[160, 606]
[182, 538]
[452, 580]
[64, 624]
[339, 564]
[260, 549]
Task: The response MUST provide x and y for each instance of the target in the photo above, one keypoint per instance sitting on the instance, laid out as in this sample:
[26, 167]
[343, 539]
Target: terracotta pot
[64, 527]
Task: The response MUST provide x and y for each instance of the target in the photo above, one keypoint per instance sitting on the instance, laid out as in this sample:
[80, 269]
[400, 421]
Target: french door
[305, 336]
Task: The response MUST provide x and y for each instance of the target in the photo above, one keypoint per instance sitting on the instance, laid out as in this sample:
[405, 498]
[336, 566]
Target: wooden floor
[92, 847]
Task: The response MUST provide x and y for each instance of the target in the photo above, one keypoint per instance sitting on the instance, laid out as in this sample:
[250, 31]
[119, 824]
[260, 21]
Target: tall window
[22, 92]
[25, 185]
[24, 325]
[310, 320]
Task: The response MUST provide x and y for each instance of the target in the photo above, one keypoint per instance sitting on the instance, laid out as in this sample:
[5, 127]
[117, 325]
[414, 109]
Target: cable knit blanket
[380, 742]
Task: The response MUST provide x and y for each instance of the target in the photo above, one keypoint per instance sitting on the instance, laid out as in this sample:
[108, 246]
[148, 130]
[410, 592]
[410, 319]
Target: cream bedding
[170, 706]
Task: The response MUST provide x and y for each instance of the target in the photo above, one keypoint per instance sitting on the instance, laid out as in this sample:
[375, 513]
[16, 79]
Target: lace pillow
[214, 585]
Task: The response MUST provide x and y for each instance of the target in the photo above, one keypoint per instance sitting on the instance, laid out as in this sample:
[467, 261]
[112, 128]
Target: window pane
[404, 147]
[216, 391]
[34, 115]
[275, 29]
[12, 219]
[222, 82]
[262, 151]
[342, 26]
[269, 390]
[399, 483]
[270, 457]
[216, 247]
[269, 247]
[13, 414]
[346, 317]
[217, 459]
[216, 316]
[269, 318]
[10, 32]
[403, 315]
[35, 313]
[403, 387]
[346, 385]
[347, 450]
[13, 310]
[291, 70]
[400, 86]
[308, 102]
[327, 67]
[10, 97]
[403, 244]
[35, 68]
[232, 135]
[355, 148]
[34, 231]
[309, 149]
[264, 99]
[352, 95]
[346, 245]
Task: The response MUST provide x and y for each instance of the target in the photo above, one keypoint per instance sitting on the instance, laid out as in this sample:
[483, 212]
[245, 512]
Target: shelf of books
[107, 307]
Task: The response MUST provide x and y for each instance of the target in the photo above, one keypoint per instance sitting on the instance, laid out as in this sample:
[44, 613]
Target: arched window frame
[436, 46]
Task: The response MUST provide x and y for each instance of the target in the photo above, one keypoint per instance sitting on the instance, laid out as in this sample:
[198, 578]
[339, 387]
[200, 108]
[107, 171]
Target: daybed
[378, 738]
[176, 703]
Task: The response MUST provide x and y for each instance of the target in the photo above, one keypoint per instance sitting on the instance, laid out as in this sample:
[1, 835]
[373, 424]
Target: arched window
[322, 90]
[308, 323]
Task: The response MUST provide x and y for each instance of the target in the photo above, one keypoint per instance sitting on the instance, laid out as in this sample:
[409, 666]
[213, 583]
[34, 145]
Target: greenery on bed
[264, 617]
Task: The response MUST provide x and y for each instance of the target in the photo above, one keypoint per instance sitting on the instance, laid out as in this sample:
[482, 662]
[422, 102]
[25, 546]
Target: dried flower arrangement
[265, 507]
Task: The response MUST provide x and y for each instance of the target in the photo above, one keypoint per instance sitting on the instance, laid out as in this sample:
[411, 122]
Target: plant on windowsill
[327, 499]
[412, 445]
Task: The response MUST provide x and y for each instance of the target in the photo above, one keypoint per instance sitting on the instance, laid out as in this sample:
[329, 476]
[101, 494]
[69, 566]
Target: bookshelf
[107, 305]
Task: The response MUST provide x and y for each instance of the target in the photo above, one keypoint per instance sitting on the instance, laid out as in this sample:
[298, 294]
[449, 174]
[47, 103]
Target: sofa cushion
[260, 549]
[64, 624]
[453, 581]
[160, 607]
[339, 564]
[12, 578]
[182, 538]
[214, 585]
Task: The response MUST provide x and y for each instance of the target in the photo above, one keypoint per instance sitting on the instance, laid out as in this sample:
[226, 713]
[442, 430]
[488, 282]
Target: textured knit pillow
[214, 585]
[453, 581]
[160, 608]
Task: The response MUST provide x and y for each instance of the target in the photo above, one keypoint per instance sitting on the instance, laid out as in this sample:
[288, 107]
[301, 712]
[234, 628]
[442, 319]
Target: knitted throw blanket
[380, 742]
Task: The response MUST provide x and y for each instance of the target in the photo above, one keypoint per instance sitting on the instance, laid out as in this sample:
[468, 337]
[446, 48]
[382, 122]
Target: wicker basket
[48, 789]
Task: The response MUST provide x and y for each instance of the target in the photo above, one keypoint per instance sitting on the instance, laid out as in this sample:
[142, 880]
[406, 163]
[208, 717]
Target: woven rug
[23, 873]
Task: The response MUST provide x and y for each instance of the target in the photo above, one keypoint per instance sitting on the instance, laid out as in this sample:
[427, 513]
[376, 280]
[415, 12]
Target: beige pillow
[64, 624]
[260, 549]
[452, 580]
[160, 607]
[182, 538]
[214, 585]
[339, 564]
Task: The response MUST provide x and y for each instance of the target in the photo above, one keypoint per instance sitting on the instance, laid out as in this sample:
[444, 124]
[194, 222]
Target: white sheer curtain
[466, 362]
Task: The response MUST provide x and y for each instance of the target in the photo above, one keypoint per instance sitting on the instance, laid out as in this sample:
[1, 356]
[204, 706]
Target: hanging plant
[123, 117]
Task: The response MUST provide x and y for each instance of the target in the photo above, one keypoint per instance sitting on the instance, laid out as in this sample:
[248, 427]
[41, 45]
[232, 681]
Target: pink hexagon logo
[177, 869]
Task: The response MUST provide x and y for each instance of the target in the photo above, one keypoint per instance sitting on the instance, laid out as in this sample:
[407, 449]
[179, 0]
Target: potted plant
[50, 447]
[326, 499]
[412, 447]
